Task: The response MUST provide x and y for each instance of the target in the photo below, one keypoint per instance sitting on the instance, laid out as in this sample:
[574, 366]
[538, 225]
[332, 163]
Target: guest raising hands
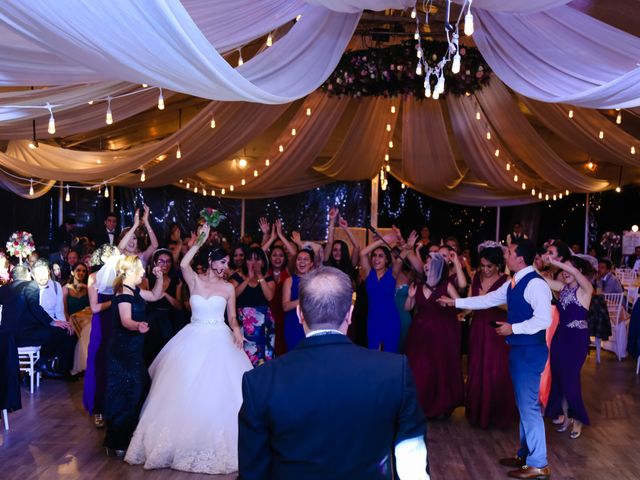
[130, 241]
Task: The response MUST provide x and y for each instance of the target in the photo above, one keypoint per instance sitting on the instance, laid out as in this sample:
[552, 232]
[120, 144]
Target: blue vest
[519, 311]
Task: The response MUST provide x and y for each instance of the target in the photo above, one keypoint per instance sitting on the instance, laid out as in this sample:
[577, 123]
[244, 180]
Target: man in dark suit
[32, 326]
[109, 234]
[330, 409]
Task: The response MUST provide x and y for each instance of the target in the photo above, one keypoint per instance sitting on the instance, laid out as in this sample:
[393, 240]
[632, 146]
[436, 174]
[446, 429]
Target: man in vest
[528, 299]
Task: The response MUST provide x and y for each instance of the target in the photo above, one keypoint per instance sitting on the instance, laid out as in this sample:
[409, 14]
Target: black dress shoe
[513, 462]
[46, 372]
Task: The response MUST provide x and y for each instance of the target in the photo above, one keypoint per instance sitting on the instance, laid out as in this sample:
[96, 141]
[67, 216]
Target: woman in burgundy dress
[490, 400]
[433, 342]
[570, 344]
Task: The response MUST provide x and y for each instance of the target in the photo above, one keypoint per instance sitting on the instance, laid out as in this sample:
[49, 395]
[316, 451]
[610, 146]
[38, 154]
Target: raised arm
[555, 285]
[365, 265]
[584, 283]
[155, 294]
[355, 248]
[461, 280]
[263, 223]
[153, 245]
[333, 213]
[185, 265]
[132, 231]
[291, 249]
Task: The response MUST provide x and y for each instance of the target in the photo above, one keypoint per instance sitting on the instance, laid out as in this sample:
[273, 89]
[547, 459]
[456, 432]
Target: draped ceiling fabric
[548, 51]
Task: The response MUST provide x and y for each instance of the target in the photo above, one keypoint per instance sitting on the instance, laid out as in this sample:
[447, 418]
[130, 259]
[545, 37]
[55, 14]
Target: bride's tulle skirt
[190, 419]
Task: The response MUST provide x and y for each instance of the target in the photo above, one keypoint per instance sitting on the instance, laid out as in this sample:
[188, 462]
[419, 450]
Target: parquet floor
[52, 438]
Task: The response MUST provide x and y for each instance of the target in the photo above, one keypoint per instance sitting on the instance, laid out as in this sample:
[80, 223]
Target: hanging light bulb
[533, 192]
[308, 112]
[240, 60]
[143, 177]
[591, 166]
[619, 118]
[298, 17]
[478, 115]
[416, 36]
[508, 167]
[90, 102]
[213, 122]
[280, 148]
[436, 94]
[204, 192]
[188, 186]
[601, 135]
[427, 88]
[144, 85]
[52, 121]
[440, 84]
[570, 113]
[106, 191]
[178, 152]
[388, 168]
[293, 132]
[31, 187]
[419, 69]
[515, 177]
[468, 22]
[222, 191]
[414, 13]
[390, 143]
[109, 117]
[566, 192]
[381, 175]
[269, 40]
[455, 65]
[255, 173]
[243, 182]
[540, 195]
[388, 127]
[393, 109]
[231, 188]
[524, 186]
[213, 192]
[546, 197]
[266, 162]
[419, 53]
[160, 101]
[618, 189]
[633, 150]
[386, 157]
[488, 135]
[403, 186]
[555, 197]
[195, 189]
[560, 195]
[67, 197]
[497, 152]
[242, 163]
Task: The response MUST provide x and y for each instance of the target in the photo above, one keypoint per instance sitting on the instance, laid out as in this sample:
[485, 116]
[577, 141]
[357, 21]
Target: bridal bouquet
[20, 244]
[212, 216]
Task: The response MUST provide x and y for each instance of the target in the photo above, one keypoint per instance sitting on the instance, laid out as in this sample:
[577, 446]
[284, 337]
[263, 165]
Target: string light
[144, 85]
[386, 157]
[143, 177]
[160, 101]
[204, 192]
[533, 192]
[468, 21]
[90, 102]
[427, 89]
[31, 187]
[633, 150]
[255, 173]
[180, 180]
[540, 195]
[618, 189]
[497, 152]
[269, 40]
[619, 118]
[546, 197]
[416, 36]
[414, 13]
[455, 65]
[440, 84]
[403, 186]
[508, 167]
[242, 163]
[213, 122]
[240, 60]
[388, 127]
[34, 142]
[188, 186]
[178, 152]
[308, 112]
[293, 132]
[52, 121]
[67, 197]
[243, 182]
[515, 177]
[222, 191]
[231, 188]
[213, 192]
[566, 192]
[280, 148]
[477, 115]
[195, 189]
[560, 195]
[419, 52]
[488, 135]
[106, 191]
[388, 168]
[390, 143]
[419, 69]
[109, 117]
[601, 135]
[266, 162]
[393, 109]
[570, 113]
[298, 18]
[524, 186]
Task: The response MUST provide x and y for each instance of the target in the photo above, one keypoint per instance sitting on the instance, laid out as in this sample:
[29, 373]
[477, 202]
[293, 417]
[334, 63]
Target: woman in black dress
[127, 377]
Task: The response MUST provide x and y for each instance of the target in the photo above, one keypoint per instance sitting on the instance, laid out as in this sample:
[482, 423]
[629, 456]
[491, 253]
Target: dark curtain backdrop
[308, 213]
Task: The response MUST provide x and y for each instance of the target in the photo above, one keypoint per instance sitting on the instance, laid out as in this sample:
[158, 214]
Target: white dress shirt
[51, 300]
[537, 294]
[411, 454]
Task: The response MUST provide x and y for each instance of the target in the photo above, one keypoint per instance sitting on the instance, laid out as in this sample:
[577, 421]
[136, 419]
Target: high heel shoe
[565, 426]
[558, 421]
[576, 431]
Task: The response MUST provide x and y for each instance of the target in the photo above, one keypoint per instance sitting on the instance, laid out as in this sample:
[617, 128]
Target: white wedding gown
[189, 421]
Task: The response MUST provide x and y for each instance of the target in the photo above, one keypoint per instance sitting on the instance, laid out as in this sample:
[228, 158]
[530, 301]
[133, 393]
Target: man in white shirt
[528, 298]
[329, 409]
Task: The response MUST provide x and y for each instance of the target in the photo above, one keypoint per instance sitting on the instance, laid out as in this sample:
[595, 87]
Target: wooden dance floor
[52, 438]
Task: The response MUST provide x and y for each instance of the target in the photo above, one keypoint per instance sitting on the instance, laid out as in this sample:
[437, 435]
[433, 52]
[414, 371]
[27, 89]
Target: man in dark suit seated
[330, 409]
[32, 326]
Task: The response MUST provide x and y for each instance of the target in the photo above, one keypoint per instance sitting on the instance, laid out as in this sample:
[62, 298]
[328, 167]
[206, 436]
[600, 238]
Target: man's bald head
[325, 298]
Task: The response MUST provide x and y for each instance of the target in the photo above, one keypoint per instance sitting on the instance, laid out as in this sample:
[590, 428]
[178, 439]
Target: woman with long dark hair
[293, 331]
[74, 293]
[433, 341]
[336, 252]
[489, 399]
[254, 291]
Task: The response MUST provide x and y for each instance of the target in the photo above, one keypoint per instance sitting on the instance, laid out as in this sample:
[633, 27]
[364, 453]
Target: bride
[189, 421]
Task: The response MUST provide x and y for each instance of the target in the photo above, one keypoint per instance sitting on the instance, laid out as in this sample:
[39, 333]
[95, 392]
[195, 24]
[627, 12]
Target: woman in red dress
[490, 400]
[433, 342]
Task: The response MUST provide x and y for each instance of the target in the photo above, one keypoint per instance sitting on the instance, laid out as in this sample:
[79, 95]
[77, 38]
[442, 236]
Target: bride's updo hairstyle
[216, 253]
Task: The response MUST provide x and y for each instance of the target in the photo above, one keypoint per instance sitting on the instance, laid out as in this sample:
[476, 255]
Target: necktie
[513, 282]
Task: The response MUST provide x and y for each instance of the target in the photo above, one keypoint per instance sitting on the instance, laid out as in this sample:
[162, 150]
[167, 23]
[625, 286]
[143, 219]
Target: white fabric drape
[515, 5]
[561, 55]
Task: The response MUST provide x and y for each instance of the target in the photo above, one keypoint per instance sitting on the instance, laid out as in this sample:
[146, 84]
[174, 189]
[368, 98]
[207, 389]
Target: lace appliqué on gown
[568, 296]
[580, 324]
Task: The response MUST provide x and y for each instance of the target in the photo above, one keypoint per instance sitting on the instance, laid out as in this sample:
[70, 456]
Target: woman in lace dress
[190, 419]
[570, 344]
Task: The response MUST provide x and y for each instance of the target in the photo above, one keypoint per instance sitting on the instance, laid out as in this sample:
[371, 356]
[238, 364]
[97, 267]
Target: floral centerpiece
[391, 71]
[610, 241]
[20, 244]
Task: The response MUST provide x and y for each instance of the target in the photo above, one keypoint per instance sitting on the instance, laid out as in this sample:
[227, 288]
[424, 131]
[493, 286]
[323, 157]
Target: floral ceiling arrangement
[391, 71]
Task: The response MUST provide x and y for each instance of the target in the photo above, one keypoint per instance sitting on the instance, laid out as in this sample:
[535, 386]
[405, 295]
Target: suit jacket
[102, 237]
[326, 410]
[21, 310]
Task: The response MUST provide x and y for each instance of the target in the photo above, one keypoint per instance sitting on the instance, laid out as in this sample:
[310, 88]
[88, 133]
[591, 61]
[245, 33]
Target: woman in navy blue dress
[293, 331]
[383, 320]
[570, 344]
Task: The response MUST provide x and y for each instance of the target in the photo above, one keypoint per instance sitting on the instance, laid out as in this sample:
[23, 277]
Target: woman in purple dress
[100, 291]
[433, 342]
[490, 399]
[383, 320]
[570, 344]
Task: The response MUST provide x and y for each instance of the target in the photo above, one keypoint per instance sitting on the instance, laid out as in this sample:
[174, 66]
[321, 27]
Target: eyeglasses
[163, 262]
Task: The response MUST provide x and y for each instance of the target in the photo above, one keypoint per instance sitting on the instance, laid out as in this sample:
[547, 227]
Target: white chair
[5, 417]
[28, 356]
[618, 340]
[627, 276]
